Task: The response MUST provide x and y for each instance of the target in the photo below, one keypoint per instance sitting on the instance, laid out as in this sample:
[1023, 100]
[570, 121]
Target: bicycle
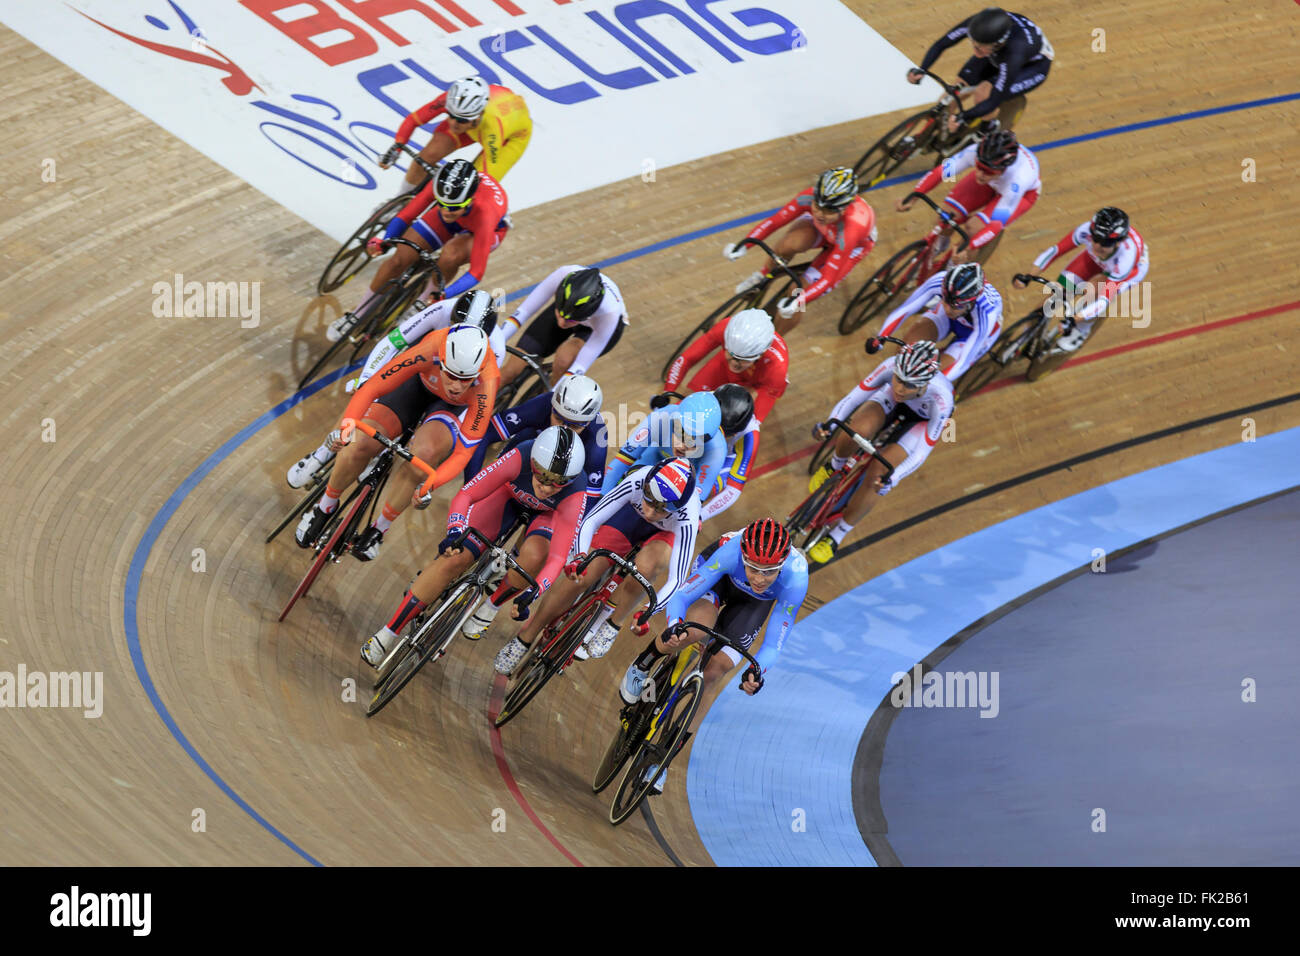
[1032, 337]
[903, 271]
[553, 650]
[531, 382]
[351, 257]
[815, 515]
[431, 633]
[926, 131]
[352, 514]
[651, 730]
[749, 299]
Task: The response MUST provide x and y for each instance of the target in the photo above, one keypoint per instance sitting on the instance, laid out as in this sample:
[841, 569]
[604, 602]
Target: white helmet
[748, 334]
[558, 453]
[467, 98]
[577, 399]
[463, 351]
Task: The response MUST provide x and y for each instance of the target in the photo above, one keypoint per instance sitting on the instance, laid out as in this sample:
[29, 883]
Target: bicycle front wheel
[351, 257]
[909, 138]
[550, 658]
[429, 643]
[883, 290]
[657, 753]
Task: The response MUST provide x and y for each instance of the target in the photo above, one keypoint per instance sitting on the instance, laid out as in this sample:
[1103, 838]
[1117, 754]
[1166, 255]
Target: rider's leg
[627, 597]
[540, 340]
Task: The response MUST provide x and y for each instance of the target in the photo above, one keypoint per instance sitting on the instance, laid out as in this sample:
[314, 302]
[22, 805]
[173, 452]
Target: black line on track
[657, 834]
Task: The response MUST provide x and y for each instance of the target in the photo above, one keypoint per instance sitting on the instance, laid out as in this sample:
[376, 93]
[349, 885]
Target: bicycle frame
[821, 506]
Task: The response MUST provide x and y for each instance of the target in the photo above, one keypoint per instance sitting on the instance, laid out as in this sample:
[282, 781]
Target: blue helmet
[700, 416]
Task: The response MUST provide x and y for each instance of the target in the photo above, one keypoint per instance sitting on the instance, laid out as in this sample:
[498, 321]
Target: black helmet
[962, 284]
[455, 184]
[997, 150]
[579, 295]
[991, 26]
[1109, 226]
[475, 308]
[737, 406]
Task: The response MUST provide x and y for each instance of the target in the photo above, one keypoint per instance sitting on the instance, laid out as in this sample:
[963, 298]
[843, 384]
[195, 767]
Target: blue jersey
[786, 592]
[653, 442]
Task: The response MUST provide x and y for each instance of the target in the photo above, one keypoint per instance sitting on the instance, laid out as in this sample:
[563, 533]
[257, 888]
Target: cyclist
[1003, 187]
[1114, 258]
[574, 403]
[690, 430]
[745, 578]
[655, 507]
[749, 353]
[958, 301]
[472, 308]
[829, 214]
[909, 378]
[1011, 57]
[443, 388]
[535, 477]
[462, 212]
[584, 320]
[740, 427]
[493, 116]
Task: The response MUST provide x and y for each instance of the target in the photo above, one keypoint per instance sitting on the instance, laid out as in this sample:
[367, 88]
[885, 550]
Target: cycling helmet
[463, 351]
[475, 308]
[765, 544]
[467, 99]
[962, 284]
[991, 26]
[917, 363]
[997, 150]
[700, 417]
[1109, 226]
[669, 484]
[748, 334]
[577, 399]
[579, 295]
[835, 188]
[737, 407]
[455, 183]
[558, 455]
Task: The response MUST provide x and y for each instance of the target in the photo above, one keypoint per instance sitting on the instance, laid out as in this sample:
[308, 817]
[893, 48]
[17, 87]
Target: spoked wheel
[429, 643]
[822, 455]
[308, 499]
[909, 138]
[884, 289]
[977, 376]
[546, 663]
[351, 257]
[657, 753]
[742, 300]
[389, 315]
[343, 532]
[633, 721]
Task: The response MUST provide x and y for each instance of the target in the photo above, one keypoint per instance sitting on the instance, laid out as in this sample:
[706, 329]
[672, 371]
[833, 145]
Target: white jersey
[1012, 184]
[974, 330]
[604, 322]
[436, 316]
[1124, 267]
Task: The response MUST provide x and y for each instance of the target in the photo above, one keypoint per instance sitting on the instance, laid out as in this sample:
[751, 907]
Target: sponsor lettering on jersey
[407, 363]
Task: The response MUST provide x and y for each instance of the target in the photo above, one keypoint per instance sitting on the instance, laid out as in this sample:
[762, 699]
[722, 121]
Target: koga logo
[102, 909]
[413, 360]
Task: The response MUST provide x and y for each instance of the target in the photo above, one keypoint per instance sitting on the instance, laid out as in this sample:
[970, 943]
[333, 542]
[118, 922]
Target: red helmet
[765, 543]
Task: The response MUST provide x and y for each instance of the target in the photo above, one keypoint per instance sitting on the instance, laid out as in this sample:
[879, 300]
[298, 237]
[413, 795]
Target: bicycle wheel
[879, 293]
[659, 750]
[553, 655]
[741, 300]
[428, 643]
[907, 139]
[351, 257]
[342, 533]
[389, 314]
[977, 376]
[822, 455]
[313, 492]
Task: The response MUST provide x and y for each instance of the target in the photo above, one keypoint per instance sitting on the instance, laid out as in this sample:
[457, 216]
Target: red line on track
[494, 708]
[1081, 360]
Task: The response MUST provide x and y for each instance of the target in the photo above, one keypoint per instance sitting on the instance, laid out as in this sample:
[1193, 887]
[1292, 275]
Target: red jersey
[483, 219]
[847, 240]
[767, 378]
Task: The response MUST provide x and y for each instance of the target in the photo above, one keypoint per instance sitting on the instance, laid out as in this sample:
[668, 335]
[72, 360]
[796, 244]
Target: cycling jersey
[435, 317]
[1123, 267]
[846, 241]
[974, 330]
[605, 322]
[653, 442]
[787, 593]
[1015, 188]
[933, 407]
[767, 378]
[503, 130]
[1025, 53]
[734, 472]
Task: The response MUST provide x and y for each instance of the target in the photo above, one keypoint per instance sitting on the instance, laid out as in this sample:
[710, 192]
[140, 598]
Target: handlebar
[628, 568]
[722, 638]
[1022, 279]
[414, 153]
[510, 558]
[943, 214]
[951, 88]
[782, 263]
[395, 447]
[861, 442]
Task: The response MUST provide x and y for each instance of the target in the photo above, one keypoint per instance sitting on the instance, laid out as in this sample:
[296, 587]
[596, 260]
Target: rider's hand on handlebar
[821, 431]
[335, 440]
[571, 569]
[904, 204]
[376, 246]
[451, 544]
[523, 600]
[421, 501]
[791, 304]
[675, 636]
[915, 76]
[641, 623]
[734, 250]
[873, 345]
[752, 682]
[660, 400]
[390, 156]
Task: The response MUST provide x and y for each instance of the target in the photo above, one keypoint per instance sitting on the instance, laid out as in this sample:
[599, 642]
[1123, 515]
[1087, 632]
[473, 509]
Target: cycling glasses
[544, 477]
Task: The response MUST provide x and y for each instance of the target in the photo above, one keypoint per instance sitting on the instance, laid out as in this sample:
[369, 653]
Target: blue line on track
[170, 507]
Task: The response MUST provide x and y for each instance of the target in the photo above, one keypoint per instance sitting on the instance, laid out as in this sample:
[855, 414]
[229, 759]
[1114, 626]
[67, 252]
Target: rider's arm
[633, 447]
[736, 477]
[419, 358]
[595, 439]
[693, 587]
[1014, 54]
[795, 207]
[473, 426]
[917, 301]
[436, 316]
[491, 478]
[603, 325]
[706, 343]
[536, 300]
[933, 432]
[410, 212]
[1068, 242]
[949, 39]
[776, 378]
[949, 169]
[715, 454]
[421, 116]
[858, 239]
[879, 378]
[780, 620]
[624, 493]
[686, 525]
[565, 521]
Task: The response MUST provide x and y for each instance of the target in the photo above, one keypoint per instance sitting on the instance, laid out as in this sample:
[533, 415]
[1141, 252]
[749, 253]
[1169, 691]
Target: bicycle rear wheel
[313, 492]
[881, 292]
[342, 533]
[351, 257]
[909, 138]
[429, 643]
[659, 750]
[550, 658]
[741, 300]
[977, 376]
[389, 314]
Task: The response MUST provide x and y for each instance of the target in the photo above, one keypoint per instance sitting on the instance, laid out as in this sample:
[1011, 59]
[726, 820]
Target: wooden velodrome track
[139, 402]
